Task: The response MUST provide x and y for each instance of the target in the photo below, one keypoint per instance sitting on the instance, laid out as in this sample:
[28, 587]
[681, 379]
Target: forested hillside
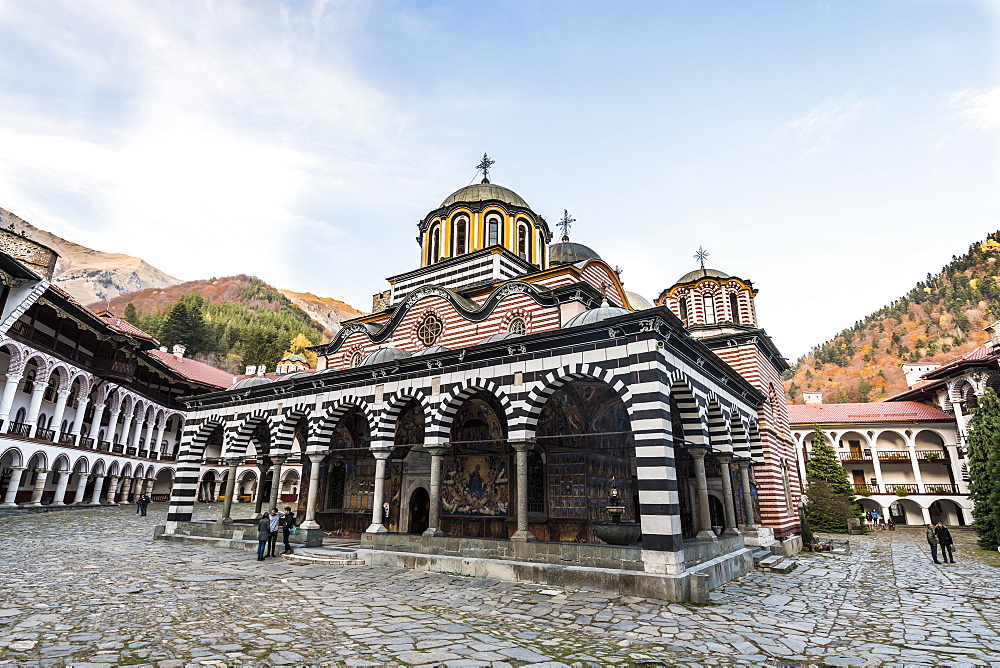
[940, 318]
[226, 322]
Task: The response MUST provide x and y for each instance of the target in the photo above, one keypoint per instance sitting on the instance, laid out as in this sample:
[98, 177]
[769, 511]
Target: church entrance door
[420, 510]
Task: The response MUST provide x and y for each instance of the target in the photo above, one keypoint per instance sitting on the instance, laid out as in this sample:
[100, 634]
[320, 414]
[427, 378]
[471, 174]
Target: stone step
[783, 566]
[768, 562]
[759, 554]
[325, 555]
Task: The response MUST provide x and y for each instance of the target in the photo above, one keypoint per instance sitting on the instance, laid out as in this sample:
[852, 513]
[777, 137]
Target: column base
[706, 536]
[8, 505]
[376, 528]
[432, 532]
[225, 520]
[524, 536]
[731, 532]
[309, 524]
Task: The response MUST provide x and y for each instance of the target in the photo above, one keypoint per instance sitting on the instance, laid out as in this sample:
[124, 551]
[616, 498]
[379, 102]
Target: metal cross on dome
[565, 223]
[701, 256]
[485, 165]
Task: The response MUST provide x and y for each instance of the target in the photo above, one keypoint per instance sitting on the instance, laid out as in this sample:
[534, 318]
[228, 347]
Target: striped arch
[718, 428]
[321, 431]
[527, 421]
[756, 447]
[43, 363]
[65, 375]
[18, 355]
[386, 433]
[240, 439]
[127, 470]
[103, 393]
[695, 434]
[16, 458]
[99, 467]
[284, 432]
[741, 441]
[189, 458]
[81, 465]
[439, 428]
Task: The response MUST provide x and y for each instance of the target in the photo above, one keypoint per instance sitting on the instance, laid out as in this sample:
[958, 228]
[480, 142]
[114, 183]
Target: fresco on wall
[477, 485]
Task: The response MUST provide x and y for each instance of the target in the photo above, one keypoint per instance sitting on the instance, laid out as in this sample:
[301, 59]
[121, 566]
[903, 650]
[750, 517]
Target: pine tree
[984, 469]
[131, 314]
[824, 465]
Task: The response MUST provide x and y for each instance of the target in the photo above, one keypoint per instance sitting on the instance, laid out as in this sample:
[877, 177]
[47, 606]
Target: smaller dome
[567, 252]
[602, 312]
[701, 272]
[251, 381]
[293, 358]
[499, 337]
[431, 351]
[298, 374]
[637, 301]
[383, 355]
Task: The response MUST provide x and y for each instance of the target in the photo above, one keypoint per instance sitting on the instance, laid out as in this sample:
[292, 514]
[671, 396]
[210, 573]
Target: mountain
[87, 274]
[326, 311]
[942, 317]
[228, 322]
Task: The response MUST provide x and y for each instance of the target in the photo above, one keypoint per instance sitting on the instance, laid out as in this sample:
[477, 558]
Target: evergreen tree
[131, 314]
[829, 495]
[824, 465]
[177, 327]
[984, 469]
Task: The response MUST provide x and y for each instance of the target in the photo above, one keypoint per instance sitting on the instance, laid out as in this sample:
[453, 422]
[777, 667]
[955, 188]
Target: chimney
[251, 370]
[812, 397]
[262, 369]
[179, 350]
[163, 349]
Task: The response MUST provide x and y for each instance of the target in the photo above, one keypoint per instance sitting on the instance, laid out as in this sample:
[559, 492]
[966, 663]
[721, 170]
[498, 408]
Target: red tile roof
[127, 328]
[924, 387]
[882, 411]
[980, 354]
[199, 372]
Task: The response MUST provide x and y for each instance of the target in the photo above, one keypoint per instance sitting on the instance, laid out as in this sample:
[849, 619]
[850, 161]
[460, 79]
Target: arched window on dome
[541, 250]
[435, 244]
[461, 236]
[683, 304]
[522, 242]
[493, 230]
[708, 301]
[734, 307]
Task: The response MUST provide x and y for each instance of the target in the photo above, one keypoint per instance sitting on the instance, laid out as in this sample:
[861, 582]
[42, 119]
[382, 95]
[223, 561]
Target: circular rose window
[429, 329]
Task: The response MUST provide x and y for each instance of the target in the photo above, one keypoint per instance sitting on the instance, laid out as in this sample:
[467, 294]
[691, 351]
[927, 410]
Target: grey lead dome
[603, 312]
[701, 272]
[482, 192]
[383, 355]
[568, 252]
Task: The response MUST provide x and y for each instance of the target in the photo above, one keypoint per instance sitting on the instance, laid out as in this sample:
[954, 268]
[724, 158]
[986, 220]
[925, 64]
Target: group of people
[267, 532]
[875, 521]
[141, 504]
[939, 535]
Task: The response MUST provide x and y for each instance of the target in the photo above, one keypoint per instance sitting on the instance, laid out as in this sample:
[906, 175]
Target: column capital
[724, 457]
[18, 468]
[317, 457]
[698, 451]
[42, 470]
[15, 377]
[437, 449]
[525, 445]
[234, 461]
[97, 475]
[382, 453]
[278, 460]
[63, 393]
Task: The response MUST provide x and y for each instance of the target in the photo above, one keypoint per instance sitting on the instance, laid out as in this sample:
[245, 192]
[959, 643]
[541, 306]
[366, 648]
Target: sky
[831, 152]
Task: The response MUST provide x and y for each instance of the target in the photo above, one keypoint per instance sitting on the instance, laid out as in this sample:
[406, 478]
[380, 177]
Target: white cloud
[825, 123]
[976, 109]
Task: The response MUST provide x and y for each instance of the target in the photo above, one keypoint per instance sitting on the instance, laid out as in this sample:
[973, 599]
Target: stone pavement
[93, 587]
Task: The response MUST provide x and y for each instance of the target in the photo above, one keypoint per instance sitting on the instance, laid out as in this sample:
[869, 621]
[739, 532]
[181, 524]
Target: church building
[509, 410]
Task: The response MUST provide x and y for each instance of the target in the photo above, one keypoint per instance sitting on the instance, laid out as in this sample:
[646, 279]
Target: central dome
[481, 192]
[701, 272]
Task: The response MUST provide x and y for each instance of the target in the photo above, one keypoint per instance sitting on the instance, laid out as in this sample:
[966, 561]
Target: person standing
[287, 524]
[263, 535]
[143, 504]
[138, 504]
[932, 540]
[274, 525]
[947, 544]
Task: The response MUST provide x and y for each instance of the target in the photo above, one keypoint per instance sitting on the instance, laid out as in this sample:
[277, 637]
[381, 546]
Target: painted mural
[476, 485]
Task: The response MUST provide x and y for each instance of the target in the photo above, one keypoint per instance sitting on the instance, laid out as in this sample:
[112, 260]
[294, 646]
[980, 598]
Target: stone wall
[41, 259]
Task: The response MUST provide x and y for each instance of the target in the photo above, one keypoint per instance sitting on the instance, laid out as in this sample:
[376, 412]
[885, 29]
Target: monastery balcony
[939, 488]
[118, 448]
[863, 488]
[902, 489]
[131, 451]
[19, 429]
[165, 457]
[932, 455]
[907, 488]
[864, 456]
[104, 446]
[46, 435]
[66, 438]
[87, 442]
[893, 455]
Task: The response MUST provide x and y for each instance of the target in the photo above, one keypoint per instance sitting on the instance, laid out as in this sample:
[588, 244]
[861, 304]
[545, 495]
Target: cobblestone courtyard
[92, 586]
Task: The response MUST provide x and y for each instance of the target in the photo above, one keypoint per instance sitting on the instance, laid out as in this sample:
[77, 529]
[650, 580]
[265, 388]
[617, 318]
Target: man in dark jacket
[263, 535]
[287, 523]
[947, 544]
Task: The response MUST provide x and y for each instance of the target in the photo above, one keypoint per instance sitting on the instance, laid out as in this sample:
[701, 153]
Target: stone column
[35, 405]
[140, 422]
[36, 493]
[13, 486]
[748, 510]
[380, 456]
[112, 490]
[310, 521]
[150, 483]
[62, 396]
[126, 426]
[434, 516]
[876, 464]
[148, 438]
[915, 465]
[81, 411]
[61, 486]
[276, 481]
[701, 487]
[227, 504]
[9, 392]
[95, 495]
[95, 426]
[81, 488]
[157, 438]
[262, 466]
[926, 513]
[728, 504]
[522, 448]
[113, 424]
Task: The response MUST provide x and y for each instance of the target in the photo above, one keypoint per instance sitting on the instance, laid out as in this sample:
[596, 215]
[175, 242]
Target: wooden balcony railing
[87, 442]
[902, 489]
[932, 455]
[862, 456]
[865, 488]
[118, 447]
[46, 435]
[131, 451]
[940, 488]
[19, 429]
[893, 455]
[66, 438]
[104, 446]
